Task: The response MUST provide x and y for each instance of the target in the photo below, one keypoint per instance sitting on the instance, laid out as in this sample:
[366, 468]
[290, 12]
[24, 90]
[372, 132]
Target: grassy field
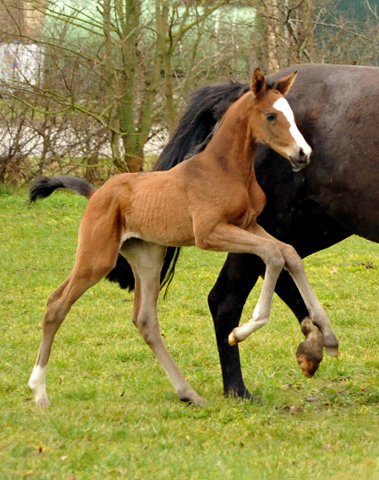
[114, 413]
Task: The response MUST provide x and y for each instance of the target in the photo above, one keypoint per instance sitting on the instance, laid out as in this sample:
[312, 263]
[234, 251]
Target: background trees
[89, 86]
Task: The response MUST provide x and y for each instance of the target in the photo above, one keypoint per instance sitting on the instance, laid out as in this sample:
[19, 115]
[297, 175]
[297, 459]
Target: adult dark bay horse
[212, 201]
[335, 108]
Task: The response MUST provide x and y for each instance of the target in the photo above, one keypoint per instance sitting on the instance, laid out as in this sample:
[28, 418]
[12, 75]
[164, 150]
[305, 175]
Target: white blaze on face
[283, 106]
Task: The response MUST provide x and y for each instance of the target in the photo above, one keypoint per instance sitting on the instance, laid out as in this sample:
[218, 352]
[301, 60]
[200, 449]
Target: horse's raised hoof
[310, 352]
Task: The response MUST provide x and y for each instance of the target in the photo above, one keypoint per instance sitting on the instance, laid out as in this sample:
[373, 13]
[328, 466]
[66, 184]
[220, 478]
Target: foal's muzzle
[301, 160]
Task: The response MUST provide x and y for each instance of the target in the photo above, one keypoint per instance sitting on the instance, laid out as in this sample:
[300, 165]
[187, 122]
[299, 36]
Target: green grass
[114, 413]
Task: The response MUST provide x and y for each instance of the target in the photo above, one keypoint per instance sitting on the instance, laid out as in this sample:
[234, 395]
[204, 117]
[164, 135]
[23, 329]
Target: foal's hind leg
[146, 261]
[94, 260]
[59, 304]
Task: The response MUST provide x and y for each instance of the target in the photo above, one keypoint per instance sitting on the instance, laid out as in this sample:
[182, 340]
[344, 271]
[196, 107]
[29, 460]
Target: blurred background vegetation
[93, 87]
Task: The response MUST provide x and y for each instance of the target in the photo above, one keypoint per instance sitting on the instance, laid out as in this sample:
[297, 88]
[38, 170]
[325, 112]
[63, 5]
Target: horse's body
[211, 201]
[337, 195]
[335, 108]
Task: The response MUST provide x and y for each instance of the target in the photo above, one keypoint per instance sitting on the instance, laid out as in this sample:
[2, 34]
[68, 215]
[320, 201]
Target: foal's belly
[157, 211]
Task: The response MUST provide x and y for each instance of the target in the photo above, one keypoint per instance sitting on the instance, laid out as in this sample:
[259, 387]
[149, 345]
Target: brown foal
[212, 201]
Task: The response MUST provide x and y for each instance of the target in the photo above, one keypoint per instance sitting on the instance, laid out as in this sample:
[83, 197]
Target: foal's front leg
[146, 261]
[295, 266]
[230, 238]
[261, 313]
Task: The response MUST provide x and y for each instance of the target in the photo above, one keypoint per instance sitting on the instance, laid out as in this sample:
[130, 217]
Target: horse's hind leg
[146, 261]
[94, 261]
[226, 300]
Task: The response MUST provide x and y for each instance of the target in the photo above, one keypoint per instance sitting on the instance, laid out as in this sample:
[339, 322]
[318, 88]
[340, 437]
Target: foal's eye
[270, 117]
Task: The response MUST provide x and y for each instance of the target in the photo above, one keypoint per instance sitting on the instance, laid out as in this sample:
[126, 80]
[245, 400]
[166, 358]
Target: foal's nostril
[303, 157]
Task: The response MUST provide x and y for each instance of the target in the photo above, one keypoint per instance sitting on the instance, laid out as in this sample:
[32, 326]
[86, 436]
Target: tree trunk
[272, 33]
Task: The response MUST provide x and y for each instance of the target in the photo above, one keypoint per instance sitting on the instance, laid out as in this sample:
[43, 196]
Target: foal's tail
[45, 186]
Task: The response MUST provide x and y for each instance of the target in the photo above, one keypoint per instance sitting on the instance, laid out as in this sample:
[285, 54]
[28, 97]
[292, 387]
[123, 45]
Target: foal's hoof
[310, 352]
[42, 401]
[232, 339]
[197, 401]
[192, 398]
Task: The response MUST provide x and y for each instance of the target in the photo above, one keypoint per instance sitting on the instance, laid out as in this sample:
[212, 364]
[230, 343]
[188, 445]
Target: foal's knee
[275, 258]
[293, 261]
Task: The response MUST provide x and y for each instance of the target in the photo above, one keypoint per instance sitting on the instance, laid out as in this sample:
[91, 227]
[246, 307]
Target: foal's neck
[234, 144]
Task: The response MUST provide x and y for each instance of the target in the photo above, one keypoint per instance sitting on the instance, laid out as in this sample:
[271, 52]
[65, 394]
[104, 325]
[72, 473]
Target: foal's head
[274, 121]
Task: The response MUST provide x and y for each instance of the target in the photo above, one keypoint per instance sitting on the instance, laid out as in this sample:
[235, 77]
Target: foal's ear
[284, 85]
[258, 82]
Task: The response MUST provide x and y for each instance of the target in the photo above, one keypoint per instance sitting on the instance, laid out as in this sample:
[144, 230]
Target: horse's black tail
[45, 186]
